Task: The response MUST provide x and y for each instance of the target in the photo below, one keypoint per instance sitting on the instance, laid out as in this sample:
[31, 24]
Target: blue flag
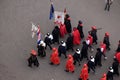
[51, 12]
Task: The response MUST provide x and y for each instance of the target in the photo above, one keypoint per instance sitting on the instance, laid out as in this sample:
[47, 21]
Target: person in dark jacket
[98, 57]
[110, 74]
[69, 42]
[47, 40]
[56, 34]
[107, 5]
[118, 48]
[62, 49]
[84, 51]
[68, 23]
[80, 29]
[93, 33]
[41, 49]
[106, 41]
[115, 66]
[33, 59]
[76, 57]
[91, 64]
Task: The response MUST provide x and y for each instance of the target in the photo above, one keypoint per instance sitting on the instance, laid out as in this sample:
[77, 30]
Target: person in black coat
[56, 34]
[91, 64]
[67, 23]
[93, 33]
[106, 41]
[118, 48]
[115, 66]
[41, 49]
[80, 29]
[47, 41]
[33, 59]
[110, 74]
[76, 57]
[84, 51]
[62, 49]
[98, 57]
[69, 42]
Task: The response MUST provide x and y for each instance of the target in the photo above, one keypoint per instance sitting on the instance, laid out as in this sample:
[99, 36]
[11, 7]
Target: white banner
[59, 17]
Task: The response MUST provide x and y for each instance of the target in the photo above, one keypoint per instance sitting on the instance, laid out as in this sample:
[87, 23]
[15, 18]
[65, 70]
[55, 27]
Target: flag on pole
[34, 29]
[38, 35]
[51, 11]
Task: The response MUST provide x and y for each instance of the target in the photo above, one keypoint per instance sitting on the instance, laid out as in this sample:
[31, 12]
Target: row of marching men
[73, 39]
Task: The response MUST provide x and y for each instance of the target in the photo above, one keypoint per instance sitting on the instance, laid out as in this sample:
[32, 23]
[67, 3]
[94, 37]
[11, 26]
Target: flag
[34, 29]
[38, 35]
[51, 11]
[59, 17]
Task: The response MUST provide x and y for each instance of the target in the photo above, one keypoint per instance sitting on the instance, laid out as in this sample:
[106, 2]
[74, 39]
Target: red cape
[104, 47]
[69, 65]
[55, 58]
[76, 37]
[117, 55]
[62, 30]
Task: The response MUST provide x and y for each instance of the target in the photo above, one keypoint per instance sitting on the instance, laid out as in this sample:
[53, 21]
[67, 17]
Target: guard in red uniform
[89, 42]
[84, 73]
[54, 58]
[69, 64]
[104, 77]
[33, 59]
[62, 30]
[106, 41]
[103, 49]
[76, 36]
[117, 56]
[93, 33]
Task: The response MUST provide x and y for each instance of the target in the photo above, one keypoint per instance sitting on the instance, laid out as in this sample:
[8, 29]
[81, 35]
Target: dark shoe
[66, 71]
[51, 63]
[73, 71]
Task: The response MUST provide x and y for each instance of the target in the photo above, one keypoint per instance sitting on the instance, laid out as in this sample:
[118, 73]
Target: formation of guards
[75, 37]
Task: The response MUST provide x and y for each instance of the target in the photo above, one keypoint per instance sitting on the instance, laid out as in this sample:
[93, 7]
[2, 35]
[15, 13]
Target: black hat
[83, 42]
[98, 49]
[80, 22]
[67, 15]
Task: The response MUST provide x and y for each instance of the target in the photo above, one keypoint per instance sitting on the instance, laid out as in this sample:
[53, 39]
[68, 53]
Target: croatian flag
[38, 35]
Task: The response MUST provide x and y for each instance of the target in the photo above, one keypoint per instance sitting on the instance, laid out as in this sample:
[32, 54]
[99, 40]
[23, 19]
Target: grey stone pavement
[16, 41]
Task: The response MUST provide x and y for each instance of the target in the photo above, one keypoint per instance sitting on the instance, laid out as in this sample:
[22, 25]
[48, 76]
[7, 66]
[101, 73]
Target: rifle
[96, 29]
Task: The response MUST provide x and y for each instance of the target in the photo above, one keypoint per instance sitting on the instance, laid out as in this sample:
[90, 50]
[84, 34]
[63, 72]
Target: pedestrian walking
[80, 29]
[106, 41]
[69, 64]
[89, 42]
[56, 34]
[47, 40]
[91, 64]
[110, 74]
[67, 23]
[76, 56]
[84, 75]
[69, 42]
[54, 58]
[33, 59]
[41, 49]
[103, 49]
[104, 77]
[93, 33]
[84, 51]
[62, 49]
[115, 66]
[108, 4]
[118, 48]
[76, 36]
[98, 57]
